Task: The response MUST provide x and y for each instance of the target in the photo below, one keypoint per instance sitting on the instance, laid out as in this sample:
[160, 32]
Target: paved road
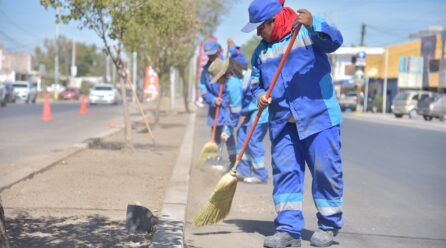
[394, 196]
[25, 139]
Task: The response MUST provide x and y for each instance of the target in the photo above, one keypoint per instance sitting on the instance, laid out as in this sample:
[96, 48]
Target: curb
[28, 173]
[170, 228]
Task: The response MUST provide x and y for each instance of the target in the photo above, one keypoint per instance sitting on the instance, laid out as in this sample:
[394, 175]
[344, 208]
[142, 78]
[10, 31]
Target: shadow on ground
[88, 231]
[265, 228]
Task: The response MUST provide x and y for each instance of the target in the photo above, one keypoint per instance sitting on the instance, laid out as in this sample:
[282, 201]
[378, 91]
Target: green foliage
[89, 60]
[248, 48]
[85, 88]
[378, 102]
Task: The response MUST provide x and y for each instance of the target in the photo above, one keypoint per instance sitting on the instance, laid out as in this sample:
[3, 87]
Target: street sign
[360, 59]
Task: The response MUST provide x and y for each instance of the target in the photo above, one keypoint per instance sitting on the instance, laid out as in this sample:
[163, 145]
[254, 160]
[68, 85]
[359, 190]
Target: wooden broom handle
[214, 129]
[268, 93]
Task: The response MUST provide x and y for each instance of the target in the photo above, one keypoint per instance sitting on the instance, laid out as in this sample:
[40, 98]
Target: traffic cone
[46, 114]
[83, 110]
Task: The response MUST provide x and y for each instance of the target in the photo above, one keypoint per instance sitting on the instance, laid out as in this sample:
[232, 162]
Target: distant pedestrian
[304, 118]
[210, 92]
[251, 168]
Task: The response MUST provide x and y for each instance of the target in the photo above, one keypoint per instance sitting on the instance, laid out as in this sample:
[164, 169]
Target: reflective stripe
[245, 156]
[280, 50]
[328, 203]
[288, 206]
[329, 207]
[288, 197]
[236, 109]
[327, 211]
[258, 163]
[255, 80]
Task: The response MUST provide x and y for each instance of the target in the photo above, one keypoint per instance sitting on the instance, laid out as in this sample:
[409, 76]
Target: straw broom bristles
[219, 204]
[209, 150]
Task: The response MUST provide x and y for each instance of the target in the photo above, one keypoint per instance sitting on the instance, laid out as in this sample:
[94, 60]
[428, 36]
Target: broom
[210, 149]
[219, 204]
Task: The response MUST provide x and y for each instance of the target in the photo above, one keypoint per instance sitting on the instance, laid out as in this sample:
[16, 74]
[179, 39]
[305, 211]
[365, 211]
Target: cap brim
[212, 52]
[250, 27]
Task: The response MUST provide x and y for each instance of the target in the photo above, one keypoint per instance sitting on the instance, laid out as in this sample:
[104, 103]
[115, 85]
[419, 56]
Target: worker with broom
[304, 118]
[251, 168]
[210, 94]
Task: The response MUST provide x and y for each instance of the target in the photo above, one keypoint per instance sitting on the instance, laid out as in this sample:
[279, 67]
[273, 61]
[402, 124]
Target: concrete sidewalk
[81, 201]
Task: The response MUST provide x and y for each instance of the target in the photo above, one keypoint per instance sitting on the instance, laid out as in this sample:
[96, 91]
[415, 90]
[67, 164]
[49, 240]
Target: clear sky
[25, 23]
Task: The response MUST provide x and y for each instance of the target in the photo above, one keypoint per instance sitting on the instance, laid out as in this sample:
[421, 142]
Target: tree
[109, 19]
[89, 60]
[248, 48]
[163, 32]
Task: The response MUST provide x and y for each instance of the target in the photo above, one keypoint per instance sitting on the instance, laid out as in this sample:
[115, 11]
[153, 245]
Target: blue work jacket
[210, 92]
[304, 89]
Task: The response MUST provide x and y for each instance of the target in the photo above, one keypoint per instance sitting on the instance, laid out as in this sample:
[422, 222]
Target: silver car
[25, 91]
[433, 107]
[405, 103]
[103, 93]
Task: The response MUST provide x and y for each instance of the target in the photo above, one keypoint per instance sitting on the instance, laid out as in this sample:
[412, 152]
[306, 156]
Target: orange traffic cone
[46, 114]
[83, 110]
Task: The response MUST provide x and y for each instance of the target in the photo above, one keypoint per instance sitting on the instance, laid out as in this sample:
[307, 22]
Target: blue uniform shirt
[210, 92]
[304, 89]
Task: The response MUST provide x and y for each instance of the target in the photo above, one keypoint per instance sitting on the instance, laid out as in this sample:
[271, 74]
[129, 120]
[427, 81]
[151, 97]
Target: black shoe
[322, 238]
[281, 240]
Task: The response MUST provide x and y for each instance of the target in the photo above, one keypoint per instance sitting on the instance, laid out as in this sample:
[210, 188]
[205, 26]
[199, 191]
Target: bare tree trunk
[158, 106]
[3, 238]
[185, 88]
[128, 129]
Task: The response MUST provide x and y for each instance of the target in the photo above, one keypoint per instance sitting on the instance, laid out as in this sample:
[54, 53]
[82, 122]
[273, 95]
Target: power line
[11, 39]
[17, 25]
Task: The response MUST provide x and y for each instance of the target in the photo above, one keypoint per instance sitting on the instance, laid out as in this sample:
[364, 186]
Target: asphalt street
[26, 139]
[395, 182]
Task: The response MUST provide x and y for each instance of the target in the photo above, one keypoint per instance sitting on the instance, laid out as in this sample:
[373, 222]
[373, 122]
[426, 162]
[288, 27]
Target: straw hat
[217, 69]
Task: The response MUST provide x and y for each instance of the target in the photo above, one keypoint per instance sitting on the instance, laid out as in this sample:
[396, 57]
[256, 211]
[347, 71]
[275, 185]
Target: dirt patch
[82, 201]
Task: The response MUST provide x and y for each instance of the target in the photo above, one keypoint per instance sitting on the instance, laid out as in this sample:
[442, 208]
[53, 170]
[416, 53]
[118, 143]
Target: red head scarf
[283, 23]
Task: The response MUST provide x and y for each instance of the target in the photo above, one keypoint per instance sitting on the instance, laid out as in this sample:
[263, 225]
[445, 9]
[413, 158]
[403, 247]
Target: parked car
[57, 88]
[3, 97]
[349, 101]
[103, 93]
[25, 91]
[405, 103]
[70, 94]
[433, 107]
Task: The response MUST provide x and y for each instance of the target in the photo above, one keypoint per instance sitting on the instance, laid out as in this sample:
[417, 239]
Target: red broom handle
[268, 93]
[214, 129]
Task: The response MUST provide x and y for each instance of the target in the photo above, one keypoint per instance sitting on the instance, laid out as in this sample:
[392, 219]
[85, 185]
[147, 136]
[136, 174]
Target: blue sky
[24, 23]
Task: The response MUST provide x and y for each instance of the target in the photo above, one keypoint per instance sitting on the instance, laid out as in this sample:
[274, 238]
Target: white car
[25, 91]
[103, 93]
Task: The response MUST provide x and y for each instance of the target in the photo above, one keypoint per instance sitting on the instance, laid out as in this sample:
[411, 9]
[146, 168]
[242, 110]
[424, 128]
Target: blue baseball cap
[261, 11]
[211, 47]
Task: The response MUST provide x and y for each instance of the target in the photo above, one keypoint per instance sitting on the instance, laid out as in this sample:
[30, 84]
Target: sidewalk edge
[170, 229]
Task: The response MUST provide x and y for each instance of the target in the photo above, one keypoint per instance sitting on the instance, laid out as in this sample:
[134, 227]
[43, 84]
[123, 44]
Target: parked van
[433, 107]
[405, 103]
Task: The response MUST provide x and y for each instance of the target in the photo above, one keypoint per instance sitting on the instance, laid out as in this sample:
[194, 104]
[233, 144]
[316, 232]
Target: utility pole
[56, 59]
[386, 73]
[73, 63]
[107, 69]
[363, 27]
